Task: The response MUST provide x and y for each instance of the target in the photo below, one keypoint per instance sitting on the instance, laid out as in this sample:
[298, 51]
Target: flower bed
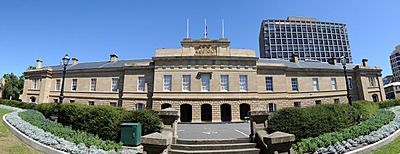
[384, 123]
[48, 138]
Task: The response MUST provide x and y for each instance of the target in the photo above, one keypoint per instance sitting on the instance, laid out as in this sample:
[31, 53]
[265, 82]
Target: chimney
[74, 61]
[39, 63]
[113, 58]
[332, 61]
[294, 58]
[365, 62]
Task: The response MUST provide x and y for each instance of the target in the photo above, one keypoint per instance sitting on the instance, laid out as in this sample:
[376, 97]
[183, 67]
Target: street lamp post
[343, 61]
[65, 61]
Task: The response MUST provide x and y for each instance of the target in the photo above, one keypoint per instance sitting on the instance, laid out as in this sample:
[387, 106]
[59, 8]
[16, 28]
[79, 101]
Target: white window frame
[315, 83]
[205, 80]
[137, 106]
[243, 83]
[93, 87]
[117, 84]
[224, 83]
[72, 85]
[167, 86]
[372, 81]
[295, 87]
[333, 83]
[273, 107]
[269, 86]
[186, 83]
[35, 84]
[141, 84]
[57, 85]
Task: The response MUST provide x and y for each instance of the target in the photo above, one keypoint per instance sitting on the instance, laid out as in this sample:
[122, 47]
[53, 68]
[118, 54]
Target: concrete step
[213, 141]
[232, 151]
[213, 146]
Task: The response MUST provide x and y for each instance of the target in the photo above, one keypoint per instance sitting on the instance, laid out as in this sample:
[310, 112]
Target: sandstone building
[205, 80]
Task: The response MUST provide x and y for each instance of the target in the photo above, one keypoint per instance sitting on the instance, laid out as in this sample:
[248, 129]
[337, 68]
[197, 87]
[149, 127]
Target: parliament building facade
[205, 80]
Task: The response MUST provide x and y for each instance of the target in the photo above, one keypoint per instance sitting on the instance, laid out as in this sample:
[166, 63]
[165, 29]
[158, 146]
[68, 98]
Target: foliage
[389, 103]
[13, 86]
[15, 103]
[66, 132]
[379, 119]
[149, 118]
[316, 120]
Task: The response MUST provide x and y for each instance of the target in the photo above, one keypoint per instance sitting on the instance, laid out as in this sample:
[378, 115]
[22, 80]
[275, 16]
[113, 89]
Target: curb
[27, 140]
[376, 145]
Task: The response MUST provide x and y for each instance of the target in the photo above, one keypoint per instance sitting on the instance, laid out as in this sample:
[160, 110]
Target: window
[295, 85]
[271, 107]
[186, 82]
[113, 104]
[224, 82]
[336, 101]
[35, 84]
[371, 81]
[93, 83]
[350, 82]
[205, 82]
[114, 84]
[58, 85]
[91, 102]
[333, 84]
[139, 106]
[71, 101]
[315, 84]
[297, 104]
[243, 82]
[318, 102]
[74, 84]
[269, 84]
[167, 82]
[141, 83]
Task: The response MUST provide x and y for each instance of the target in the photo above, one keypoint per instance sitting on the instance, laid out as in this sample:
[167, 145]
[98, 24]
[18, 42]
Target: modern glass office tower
[309, 38]
[395, 63]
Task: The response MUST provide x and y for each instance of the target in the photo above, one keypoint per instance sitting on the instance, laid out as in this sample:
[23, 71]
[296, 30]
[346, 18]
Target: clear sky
[92, 29]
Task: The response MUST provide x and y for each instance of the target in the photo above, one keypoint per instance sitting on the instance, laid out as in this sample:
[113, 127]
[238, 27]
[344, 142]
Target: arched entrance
[244, 111]
[165, 105]
[33, 99]
[375, 98]
[186, 113]
[206, 112]
[226, 112]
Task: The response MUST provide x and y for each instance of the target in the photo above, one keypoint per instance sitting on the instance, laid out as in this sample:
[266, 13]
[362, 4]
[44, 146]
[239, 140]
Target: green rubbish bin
[131, 133]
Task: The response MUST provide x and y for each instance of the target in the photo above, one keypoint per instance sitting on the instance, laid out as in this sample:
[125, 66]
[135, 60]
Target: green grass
[392, 147]
[9, 144]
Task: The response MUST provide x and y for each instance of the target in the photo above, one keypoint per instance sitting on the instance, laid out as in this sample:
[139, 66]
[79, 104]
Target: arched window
[271, 107]
[139, 106]
[244, 110]
[33, 99]
[375, 98]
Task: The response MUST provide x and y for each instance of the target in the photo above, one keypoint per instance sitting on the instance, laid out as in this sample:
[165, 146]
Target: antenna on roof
[205, 28]
[223, 29]
[187, 28]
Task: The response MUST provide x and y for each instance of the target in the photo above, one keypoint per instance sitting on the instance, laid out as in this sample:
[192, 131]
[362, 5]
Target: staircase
[224, 146]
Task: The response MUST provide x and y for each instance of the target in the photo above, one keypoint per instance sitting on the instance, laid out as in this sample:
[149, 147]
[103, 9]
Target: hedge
[101, 120]
[316, 120]
[381, 118]
[389, 103]
[37, 119]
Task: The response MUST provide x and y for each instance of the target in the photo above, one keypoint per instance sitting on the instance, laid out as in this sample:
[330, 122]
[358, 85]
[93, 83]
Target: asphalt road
[214, 131]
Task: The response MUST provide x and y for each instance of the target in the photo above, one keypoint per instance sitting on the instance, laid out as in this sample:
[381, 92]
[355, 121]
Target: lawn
[392, 147]
[9, 144]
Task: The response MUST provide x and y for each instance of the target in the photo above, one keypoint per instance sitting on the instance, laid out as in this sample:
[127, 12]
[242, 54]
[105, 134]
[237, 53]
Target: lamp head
[65, 60]
[343, 60]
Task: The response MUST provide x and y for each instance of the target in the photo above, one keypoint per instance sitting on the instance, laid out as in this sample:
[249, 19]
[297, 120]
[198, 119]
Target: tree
[13, 86]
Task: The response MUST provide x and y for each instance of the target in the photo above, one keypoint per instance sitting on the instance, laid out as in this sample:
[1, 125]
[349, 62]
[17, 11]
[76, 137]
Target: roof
[101, 64]
[392, 84]
[305, 64]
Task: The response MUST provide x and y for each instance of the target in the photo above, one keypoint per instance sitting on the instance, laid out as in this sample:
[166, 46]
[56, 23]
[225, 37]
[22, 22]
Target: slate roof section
[99, 65]
[306, 64]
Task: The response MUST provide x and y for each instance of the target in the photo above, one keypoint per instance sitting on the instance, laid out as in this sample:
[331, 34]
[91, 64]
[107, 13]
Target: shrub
[316, 120]
[76, 136]
[381, 118]
[389, 103]
[18, 104]
[149, 118]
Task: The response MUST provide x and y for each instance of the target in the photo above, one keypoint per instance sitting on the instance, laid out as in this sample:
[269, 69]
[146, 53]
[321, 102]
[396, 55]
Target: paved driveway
[214, 131]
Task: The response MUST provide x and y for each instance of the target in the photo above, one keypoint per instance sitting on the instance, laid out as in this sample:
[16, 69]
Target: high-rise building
[307, 37]
[395, 63]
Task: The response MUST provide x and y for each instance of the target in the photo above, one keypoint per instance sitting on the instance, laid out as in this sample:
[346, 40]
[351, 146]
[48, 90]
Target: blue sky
[92, 29]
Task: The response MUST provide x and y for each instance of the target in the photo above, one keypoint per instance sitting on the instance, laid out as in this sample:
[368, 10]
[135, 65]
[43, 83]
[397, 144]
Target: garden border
[31, 142]
[376, 145]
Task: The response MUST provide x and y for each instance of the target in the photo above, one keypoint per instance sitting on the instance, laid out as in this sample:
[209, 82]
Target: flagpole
[187, 28]
[205, 28]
